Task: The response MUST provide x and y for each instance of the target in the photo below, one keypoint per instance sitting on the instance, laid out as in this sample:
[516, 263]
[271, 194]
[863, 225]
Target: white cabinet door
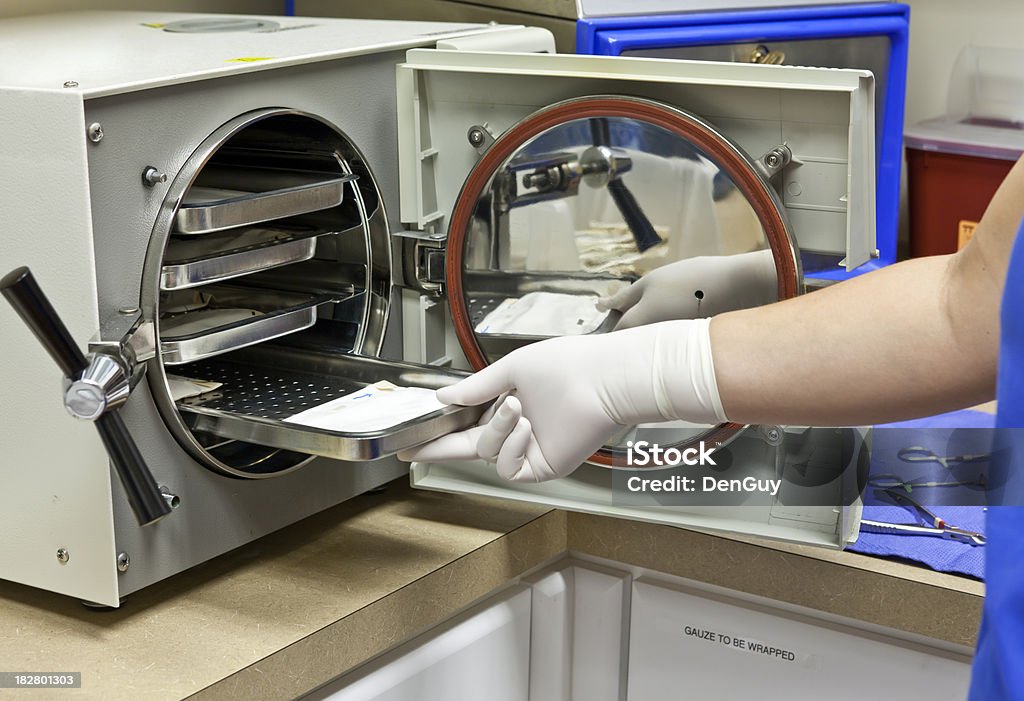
[578, 643]
[483, 654]
[685, 645]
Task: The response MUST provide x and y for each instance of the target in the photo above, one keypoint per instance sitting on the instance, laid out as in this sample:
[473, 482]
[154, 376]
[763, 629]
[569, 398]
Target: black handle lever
[639, 225]
[23, 293]
[644, 235]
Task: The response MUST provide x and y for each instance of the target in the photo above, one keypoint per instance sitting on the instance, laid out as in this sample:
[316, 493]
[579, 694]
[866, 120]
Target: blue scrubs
[999, 661]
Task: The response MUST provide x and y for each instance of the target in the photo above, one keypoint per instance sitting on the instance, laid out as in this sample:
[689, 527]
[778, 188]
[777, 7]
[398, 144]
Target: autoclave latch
[421, 265]
[129, 339]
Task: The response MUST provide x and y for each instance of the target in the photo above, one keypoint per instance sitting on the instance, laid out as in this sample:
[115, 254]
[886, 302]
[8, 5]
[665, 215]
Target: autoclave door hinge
[772, 162]
[421, 261]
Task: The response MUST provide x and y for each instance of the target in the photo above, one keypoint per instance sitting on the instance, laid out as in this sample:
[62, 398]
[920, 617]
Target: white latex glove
[696, 288]
[564, 397]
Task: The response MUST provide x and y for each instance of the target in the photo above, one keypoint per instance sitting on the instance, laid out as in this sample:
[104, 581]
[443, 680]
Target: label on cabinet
[713, 647]
[745, 643]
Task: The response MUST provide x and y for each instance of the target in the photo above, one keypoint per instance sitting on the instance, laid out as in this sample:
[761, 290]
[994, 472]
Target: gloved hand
[696, 288]
[564, 397]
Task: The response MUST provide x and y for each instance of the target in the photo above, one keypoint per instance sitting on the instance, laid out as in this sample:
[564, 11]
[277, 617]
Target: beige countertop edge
[888, 594]
[320, 657]
[878, 565]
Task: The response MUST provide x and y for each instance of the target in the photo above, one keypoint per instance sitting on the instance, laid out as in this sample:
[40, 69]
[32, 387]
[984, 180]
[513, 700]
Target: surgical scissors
[890, 480]
[918, 453]
[961, 536]
[933, 525]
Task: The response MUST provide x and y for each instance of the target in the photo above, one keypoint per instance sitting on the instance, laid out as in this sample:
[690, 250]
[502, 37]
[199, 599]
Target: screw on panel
[772, 162]
[123, 562]
[151, 176]
[70, 83]
[63, 556]
[773, 435]
[480, 137]
[95, 132]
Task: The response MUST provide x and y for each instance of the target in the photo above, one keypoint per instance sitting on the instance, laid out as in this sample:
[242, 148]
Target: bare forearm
[887, 346]
[913, 339]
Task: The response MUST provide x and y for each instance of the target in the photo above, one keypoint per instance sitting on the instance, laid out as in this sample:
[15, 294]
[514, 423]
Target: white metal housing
[77, 214]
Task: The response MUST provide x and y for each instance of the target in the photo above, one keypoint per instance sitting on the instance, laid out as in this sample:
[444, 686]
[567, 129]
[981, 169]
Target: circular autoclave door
[584, 198]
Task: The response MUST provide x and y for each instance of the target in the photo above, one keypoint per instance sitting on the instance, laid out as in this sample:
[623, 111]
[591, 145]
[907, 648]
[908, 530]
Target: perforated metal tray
[263, 386]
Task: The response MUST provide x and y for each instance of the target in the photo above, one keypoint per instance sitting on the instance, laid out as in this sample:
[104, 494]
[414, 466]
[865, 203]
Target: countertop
[281, 616]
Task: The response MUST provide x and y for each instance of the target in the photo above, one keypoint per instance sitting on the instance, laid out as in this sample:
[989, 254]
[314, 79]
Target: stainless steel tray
[486, 289]
[208, 209]
[198, 260]
[496, 345]
[479, 306]
[518, 283]
[272, 384]
[281, 313]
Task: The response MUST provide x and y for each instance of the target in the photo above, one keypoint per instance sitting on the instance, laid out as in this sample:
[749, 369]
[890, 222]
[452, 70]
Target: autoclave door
[550, 181]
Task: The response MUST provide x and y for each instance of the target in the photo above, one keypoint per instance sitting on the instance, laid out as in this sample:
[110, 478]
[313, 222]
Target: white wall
[14, 8]
[939, 29]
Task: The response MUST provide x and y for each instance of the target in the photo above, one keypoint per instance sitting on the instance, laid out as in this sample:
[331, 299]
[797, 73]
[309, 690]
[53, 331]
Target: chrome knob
[102, 387]
[152, 177]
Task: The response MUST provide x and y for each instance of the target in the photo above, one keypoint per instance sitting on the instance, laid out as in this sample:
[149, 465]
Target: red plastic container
[956, 162]
[947, 194]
